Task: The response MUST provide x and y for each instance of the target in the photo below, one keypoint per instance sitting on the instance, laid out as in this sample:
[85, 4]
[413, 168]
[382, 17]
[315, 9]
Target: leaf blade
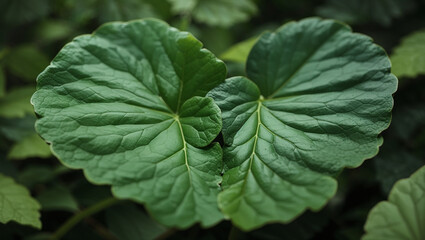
[124, 115]
[17, 204]
[311, 123]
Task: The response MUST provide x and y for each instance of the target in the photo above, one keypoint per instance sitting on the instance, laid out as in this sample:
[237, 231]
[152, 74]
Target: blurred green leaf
[240, 51]
[408, 58]
[31, 146]
[57, 198]
[16, 204]
[364, 11]
[129, 222]
[36, 174]
[16, 129]
[15, 12]
[215, 39]
[124, 10]
[224, 13]
[53, 30]
[7, 167]
[26, 62]
[182, 6]
[16, 103]
[403, 215]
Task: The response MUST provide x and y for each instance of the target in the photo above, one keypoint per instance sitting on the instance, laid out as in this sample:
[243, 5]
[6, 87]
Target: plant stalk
[74, 220]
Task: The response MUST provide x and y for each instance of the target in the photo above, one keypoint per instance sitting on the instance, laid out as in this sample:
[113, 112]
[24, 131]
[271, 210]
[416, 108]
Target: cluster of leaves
[154, 133]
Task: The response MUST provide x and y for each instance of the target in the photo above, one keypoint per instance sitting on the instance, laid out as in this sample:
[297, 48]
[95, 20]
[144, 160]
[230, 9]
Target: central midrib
[176, 118]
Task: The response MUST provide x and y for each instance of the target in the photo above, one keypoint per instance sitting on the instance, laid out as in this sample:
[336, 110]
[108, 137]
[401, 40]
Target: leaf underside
[315, 100]
[126, 104]
[402, 217]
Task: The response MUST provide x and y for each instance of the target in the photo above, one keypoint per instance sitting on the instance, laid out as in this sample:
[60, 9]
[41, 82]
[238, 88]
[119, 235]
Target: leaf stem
[185, 21]
[74, 220]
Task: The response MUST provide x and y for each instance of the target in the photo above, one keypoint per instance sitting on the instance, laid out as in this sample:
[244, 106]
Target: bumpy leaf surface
[126, 105]
[408, 59]
[402, 217]
[316, 99]
[16, 204]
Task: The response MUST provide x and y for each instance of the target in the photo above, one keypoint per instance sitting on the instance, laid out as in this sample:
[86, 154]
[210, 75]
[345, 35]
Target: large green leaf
[223, 13]
[364, 11]
[318, 97]
[402, 217]
[408, 58]
[126, 105]
[16, 204]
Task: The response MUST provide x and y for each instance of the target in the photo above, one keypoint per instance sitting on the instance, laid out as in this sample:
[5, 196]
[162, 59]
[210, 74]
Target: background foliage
[32, 32]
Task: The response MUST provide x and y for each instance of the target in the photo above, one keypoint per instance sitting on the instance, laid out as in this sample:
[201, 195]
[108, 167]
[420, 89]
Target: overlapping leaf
[402, 217]
[127, 105]
[316, 99]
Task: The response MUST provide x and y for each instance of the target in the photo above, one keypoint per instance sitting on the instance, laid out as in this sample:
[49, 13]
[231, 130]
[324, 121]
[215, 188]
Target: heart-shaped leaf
[316, 99]
[402, 217]
[127, 105]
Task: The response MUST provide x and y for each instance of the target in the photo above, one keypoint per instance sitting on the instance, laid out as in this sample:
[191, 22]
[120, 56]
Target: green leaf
[316, 99]
[182, 6]
[37, 174]
[16, 104]
[126, 105]
[16, 129]
[26, 62]
[365, 11]
[239, 52]
[57, 198]
[124, 10]
[31, 146]
[408, 58]
[402, 217]
[53, 30]
[15, 12]
[222, 13]
[16, 204]
[128, 222]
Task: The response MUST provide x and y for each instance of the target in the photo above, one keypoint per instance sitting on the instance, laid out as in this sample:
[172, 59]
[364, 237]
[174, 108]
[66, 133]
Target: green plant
[129, 105]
